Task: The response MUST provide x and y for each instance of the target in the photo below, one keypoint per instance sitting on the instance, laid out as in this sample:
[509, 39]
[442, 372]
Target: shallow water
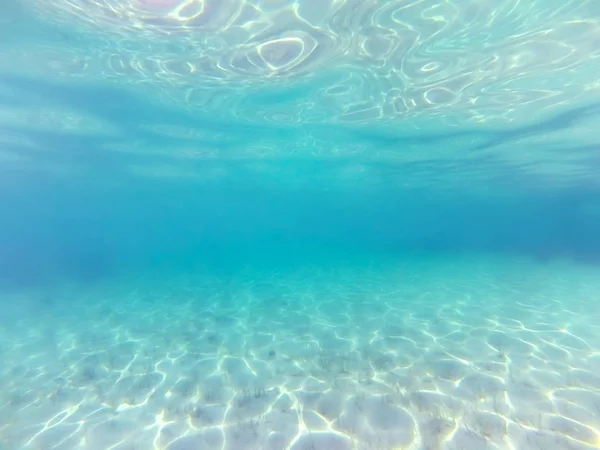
[299, 225]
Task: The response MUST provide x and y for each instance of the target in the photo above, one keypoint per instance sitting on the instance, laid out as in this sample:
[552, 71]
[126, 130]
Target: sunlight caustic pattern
[486, 61]
[420, 355]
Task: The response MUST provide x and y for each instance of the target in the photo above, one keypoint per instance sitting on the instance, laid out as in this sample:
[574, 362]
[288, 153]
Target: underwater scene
[299, 224]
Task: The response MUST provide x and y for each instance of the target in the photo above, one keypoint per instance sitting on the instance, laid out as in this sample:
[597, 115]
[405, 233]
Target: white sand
[413, 354]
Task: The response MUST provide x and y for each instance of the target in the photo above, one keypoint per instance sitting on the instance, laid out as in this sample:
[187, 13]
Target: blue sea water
[275, 224]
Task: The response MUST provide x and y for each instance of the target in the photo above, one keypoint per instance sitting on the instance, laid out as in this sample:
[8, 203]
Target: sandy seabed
[420, 353]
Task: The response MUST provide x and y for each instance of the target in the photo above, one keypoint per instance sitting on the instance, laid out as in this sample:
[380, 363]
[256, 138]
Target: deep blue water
[53, 228]
[71, 207]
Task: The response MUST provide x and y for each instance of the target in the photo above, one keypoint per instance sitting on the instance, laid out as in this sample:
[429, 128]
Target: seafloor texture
[415, 354]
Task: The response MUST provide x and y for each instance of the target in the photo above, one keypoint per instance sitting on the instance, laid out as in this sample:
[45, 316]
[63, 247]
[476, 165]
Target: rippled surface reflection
[434, 83]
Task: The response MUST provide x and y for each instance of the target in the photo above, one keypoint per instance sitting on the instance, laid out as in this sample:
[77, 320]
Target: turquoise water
[299, 225]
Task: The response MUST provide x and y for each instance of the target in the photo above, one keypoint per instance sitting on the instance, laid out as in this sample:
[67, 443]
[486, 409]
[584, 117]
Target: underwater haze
[276, 224]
